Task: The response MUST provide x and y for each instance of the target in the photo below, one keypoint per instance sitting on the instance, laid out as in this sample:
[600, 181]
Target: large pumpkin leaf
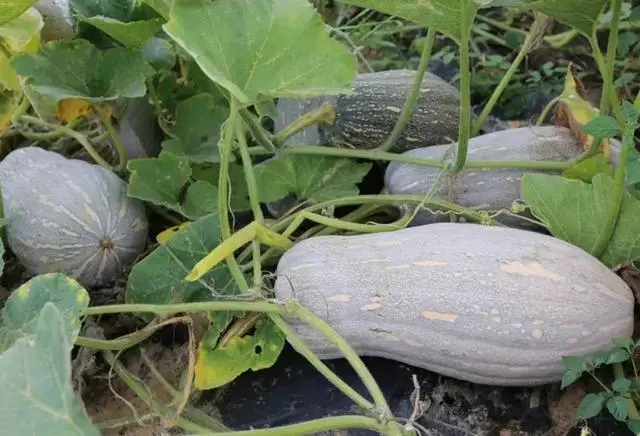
[580, 14]
[35, 381]
[217, 366]
[197, 130]
[21, 311]
[309, 177]
[159, 277]
[77, 69]
[576, 212]
[444, 15]
[239, 191]
[274, 48]
[20, 35]
[133, 34]
[165, 181]
[10, 9]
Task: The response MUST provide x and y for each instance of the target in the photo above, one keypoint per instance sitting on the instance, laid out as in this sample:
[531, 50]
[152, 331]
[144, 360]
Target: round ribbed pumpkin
[69, 216]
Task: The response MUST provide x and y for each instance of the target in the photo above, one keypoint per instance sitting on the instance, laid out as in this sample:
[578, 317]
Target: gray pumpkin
[69, 216]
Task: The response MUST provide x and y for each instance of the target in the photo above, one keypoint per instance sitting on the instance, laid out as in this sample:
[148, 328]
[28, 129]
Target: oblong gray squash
[485, 304]
[492, 189]
[365, 118]
[66, 215]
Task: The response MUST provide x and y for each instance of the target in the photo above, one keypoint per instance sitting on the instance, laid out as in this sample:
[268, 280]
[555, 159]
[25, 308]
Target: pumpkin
[69, 216]
[491, 189]
[485, 304]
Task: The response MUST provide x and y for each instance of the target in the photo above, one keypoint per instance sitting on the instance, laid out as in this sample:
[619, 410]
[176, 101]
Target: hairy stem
[325, 115]
[256, 130]
[414, 92]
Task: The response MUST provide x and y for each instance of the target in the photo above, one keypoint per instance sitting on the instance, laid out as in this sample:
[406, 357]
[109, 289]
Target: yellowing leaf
[574, 111]
[217, 366]
[20, 35]
[9, 101]
[70, 109]
[164, 236]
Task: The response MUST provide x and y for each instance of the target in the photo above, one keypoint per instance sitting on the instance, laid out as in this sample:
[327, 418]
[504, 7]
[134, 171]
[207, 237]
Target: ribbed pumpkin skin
[490, 305]
[365, 118]
[69, 216]
[491, 190]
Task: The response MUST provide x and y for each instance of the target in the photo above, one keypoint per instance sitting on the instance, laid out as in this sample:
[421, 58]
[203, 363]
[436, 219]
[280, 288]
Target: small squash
[485, 304]
[492, 189]
[69, 216]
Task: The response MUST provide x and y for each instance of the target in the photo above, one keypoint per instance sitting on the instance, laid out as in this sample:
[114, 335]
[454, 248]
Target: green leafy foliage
[37, 394]
[133, 34]
[21, 312]
[565, 11]
[77, 69]
[444, 15]
[120, 10]
[166, 181]
[10, 9]
[601, 127]
[239, 192]
[266, 52]
[197, 131]
[588, 168]
[591, 405]
[159, 277]
[576, 212]
[218, 366]
[309, 177]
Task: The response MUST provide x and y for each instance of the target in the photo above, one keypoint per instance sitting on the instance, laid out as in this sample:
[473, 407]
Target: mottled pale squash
[66, 215]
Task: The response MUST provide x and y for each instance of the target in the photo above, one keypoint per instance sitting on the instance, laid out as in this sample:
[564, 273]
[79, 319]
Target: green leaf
[22, 34]
[239, 195]
[165, 181]
[162, 7]
[197, 131]
[133, 34]
[569, 378]
[218, 366]
[21, 311]
[591, 405]
[10, 9]
[618, 407]
[621, 385]
[444, 15]
[623, 342]
[574, 363]
[159, 277]
[77, 69]
[309, 177]
[575, 211]
[618, 355]
[581, 14]
[632, 167]
[275, 48]
[601, 357]
[601, 127]
[588, 168]
[635, 14]
[634, 425]
[121, 10]
[37, 393]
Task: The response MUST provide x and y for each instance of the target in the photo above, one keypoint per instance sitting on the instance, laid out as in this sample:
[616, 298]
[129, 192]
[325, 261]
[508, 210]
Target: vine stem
[105, 118]
[223, 192]
[464, 128]
[75, 135]
[254, 200]
[414, 92]
[436, 163]
[538, 27]
[325, 115]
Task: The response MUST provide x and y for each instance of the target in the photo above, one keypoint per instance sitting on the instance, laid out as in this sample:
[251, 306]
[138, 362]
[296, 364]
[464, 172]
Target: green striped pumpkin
[69, 216]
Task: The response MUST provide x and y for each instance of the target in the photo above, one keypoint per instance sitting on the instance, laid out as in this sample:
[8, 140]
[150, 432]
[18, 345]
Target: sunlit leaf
[20, 35]
[9, 102]
[275, 48]
[10, 9]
